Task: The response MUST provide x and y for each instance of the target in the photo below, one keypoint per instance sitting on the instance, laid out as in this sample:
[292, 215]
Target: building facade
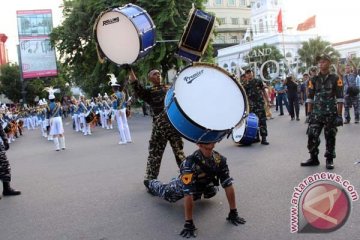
[233, 19]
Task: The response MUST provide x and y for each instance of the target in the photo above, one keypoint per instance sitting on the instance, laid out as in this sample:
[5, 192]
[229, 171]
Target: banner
[37, 57]
[279, 22]
[307, 24]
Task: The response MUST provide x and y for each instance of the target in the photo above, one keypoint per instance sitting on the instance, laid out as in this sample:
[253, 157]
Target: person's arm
[233, 216]
[188, 207]
[230, 195]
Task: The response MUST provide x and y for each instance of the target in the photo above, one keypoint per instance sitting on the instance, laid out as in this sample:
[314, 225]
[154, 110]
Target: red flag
[307, 24]
[279, 22]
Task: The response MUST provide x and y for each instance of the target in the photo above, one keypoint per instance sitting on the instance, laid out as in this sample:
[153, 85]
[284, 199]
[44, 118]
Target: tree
[10, 82]
[11, 85]
[76, 43]
[315, 47]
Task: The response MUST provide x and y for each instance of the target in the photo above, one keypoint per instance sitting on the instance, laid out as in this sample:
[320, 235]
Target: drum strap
[55, 112]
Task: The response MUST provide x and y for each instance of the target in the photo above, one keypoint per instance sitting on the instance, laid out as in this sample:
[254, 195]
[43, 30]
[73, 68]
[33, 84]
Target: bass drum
[245, 134]
[205, 103]
[124, 34]
[196, 36]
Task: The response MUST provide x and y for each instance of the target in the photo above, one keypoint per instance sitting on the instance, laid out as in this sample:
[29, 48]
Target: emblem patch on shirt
[310, 85]
[340, 82]
[186, 178]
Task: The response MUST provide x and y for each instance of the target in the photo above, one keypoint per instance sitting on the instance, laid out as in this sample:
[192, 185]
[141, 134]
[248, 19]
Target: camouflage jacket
[325, 91]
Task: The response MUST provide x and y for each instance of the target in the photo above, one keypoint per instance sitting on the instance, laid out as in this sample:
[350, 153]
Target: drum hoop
[232, 76]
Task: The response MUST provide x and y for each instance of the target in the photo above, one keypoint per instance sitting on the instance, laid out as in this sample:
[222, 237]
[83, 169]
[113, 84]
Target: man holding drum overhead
[162, 130]
[256, 94]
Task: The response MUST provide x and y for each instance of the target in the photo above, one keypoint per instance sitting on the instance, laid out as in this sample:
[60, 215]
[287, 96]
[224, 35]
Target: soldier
[5, 174]
[325, 102]
[351, 94]
[256, 94]
[199, 173]
[162, 130]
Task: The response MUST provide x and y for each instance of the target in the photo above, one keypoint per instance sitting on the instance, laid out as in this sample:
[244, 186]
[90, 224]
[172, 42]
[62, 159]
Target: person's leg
[330, 137]
[157, 146]
[347, 105]
[314, 130]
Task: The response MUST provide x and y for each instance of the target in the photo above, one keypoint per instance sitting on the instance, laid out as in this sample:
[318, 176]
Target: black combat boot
[329, 163]
[8, 191]
[313, 161]
[263, 141]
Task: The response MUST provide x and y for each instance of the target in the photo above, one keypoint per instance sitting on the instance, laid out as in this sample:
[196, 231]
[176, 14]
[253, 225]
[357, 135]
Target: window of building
[246, 21]
[234, 39]
[261, 26]
[231, 2]
[218, 2]
[222, 21]
[235, 21]
[220, 38]
[242, 3]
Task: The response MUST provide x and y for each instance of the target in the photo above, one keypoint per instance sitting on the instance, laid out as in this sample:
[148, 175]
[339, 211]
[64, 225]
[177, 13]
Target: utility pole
[23, 85]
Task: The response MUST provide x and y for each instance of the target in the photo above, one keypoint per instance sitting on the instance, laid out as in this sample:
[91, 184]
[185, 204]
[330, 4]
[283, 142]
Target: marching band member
[56, 125]
[108, 112]
[118, 100]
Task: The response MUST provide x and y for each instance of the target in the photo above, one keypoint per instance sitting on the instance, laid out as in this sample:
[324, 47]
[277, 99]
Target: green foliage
[10, 82]
[315, 47]
[75, 41]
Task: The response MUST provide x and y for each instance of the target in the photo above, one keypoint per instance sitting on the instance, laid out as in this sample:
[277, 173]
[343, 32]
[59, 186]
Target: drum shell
[89, 117]
[196, 36]
[250, 131]
[144, 25]
[185, 126]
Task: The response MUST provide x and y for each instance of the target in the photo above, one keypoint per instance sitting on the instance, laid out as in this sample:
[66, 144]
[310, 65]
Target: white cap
[51, 96]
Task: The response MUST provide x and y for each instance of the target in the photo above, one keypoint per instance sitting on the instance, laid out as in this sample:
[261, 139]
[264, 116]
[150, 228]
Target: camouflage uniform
[254, 90]
[162, 130]
[324, 93]
[5, 170]
[350, 80]
[198, 176]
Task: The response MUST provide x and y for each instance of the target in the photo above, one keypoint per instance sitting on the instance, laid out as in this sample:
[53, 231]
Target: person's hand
[6, 145]
[234, 217]
[189, 229]
[339, 121]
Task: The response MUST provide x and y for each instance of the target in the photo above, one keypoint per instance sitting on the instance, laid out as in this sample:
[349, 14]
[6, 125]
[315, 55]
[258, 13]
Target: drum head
[210, 97]
[238, 133]
[118, 38]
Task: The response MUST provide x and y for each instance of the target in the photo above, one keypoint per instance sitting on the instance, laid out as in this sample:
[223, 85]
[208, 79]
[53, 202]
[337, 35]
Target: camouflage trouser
[173, 191]
[261, 114]
[162, 132]
[316, 124]
[5, 174]
[351, 101]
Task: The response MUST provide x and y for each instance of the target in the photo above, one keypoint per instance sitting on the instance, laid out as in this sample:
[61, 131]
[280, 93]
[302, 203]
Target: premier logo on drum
[321, 203]
[111, 21]
[191, 78]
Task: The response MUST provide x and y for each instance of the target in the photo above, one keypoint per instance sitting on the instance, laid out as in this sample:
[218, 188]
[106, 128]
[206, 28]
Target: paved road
[93, 190]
